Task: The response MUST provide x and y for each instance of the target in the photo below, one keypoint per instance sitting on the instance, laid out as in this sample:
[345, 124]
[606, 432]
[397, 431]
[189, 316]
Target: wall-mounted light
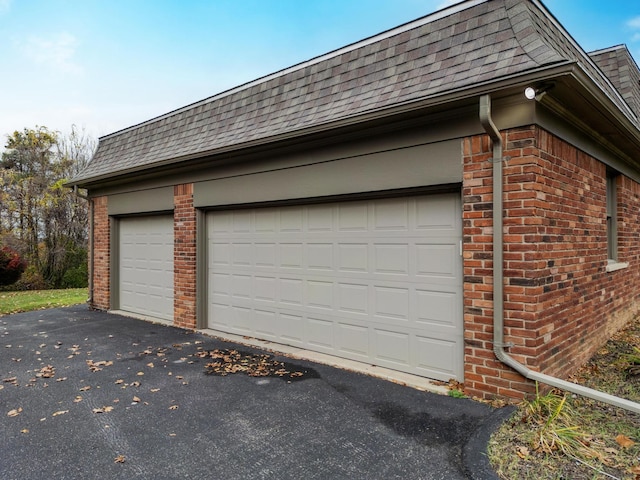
[537, 93]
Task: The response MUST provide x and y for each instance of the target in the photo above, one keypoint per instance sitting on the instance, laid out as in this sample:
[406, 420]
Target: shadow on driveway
[87, 394]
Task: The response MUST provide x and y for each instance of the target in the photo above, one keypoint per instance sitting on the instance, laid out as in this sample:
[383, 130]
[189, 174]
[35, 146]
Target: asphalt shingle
[420, 60]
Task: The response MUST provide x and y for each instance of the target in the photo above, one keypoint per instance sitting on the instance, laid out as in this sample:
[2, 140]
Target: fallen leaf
[635, 470]
[119, 459]
[173, 407]
[15, 412]
[46, 372]
[150, 365]
[77, 399]
[154, 390]
[102, 410]
[140, 374]
[522, 452]
[119, 382]
[24, 430]
[624, 441]
[84, 389]
[136, 399]
[61, 379]
[60, 412]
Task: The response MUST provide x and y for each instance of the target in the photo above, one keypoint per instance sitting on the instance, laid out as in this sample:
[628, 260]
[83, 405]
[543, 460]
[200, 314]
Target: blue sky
[108, 64]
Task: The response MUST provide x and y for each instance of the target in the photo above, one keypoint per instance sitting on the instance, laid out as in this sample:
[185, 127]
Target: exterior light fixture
[530, 93]
[536, 93]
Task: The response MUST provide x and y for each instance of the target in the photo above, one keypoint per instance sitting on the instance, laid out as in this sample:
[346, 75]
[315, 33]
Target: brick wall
[560, 304]
[184, 228]
[99, 249]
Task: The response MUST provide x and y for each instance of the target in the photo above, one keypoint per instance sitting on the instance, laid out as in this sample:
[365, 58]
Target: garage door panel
[292, 328]
[265, 324]
[321, 333]
[391, 302]
[353, 257]
[435, 307]
[391, 215]
[391, 347]
[391, 258]
[436, 357]
[353, 340]
[145, 266]
[373, 281]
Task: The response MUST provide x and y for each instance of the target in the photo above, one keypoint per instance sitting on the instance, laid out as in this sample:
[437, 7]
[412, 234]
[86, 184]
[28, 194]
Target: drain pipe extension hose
[498, 290]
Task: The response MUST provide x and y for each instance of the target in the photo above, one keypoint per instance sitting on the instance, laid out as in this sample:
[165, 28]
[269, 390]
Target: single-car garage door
[145, 266]
[377, 281]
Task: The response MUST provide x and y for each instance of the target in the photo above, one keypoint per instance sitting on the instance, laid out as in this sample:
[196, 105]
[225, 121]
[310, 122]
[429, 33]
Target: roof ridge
[442, 13]
[620, 46]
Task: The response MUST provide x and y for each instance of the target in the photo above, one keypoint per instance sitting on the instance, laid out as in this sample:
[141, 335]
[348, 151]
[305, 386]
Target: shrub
[77, 277]
[31, 280]
[11, 266]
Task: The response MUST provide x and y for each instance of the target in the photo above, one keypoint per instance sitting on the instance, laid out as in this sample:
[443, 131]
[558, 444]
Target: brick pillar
[184, 257]
[485, 376]
[100, 252]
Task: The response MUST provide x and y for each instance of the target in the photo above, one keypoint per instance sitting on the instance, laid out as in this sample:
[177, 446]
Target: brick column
[184, 257]
[100, 252]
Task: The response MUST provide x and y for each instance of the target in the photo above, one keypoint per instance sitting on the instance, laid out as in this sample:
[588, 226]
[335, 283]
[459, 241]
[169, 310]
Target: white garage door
[146, 266]
[379, 281]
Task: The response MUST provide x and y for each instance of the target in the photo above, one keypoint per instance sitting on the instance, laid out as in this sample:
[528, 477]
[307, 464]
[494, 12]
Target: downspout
[91, 243]
[498, 280]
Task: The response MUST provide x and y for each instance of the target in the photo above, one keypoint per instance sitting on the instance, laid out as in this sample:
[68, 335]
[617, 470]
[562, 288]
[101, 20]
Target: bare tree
[46, 219]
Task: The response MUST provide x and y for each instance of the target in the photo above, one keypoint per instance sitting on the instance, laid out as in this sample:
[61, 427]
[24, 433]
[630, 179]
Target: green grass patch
[26, 301]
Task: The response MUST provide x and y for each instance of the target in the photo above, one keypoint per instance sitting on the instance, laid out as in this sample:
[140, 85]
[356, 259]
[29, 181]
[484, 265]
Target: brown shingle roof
[474, 42]
[618, 65]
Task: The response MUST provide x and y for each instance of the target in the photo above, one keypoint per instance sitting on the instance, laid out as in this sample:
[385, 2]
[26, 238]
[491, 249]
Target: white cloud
[56, 52]
[634, 22]
[5, 6]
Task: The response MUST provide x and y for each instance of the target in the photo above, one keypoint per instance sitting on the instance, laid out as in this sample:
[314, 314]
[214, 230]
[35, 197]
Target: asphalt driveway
[87, 394]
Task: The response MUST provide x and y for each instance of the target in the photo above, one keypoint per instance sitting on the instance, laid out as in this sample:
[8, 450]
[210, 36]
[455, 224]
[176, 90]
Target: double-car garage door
[378, 281]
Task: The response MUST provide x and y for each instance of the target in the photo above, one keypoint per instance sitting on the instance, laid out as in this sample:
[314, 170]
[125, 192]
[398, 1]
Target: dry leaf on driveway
[15, 412]
[46, 372]
[97, 366]
[106, 409]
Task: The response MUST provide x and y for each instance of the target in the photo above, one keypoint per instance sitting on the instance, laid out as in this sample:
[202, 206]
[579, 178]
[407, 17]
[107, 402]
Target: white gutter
[498, 281]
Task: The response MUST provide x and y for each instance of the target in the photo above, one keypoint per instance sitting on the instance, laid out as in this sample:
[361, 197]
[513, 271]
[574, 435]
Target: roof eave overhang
[588, 108]
[455, 96]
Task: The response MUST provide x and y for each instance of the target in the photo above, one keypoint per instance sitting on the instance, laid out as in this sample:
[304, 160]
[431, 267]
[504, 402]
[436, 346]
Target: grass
[14, 302]
[558, 435]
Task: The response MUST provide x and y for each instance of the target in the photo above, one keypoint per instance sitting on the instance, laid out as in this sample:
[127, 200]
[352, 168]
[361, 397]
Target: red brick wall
[184, 228]
[560, 304]
[100, 250]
